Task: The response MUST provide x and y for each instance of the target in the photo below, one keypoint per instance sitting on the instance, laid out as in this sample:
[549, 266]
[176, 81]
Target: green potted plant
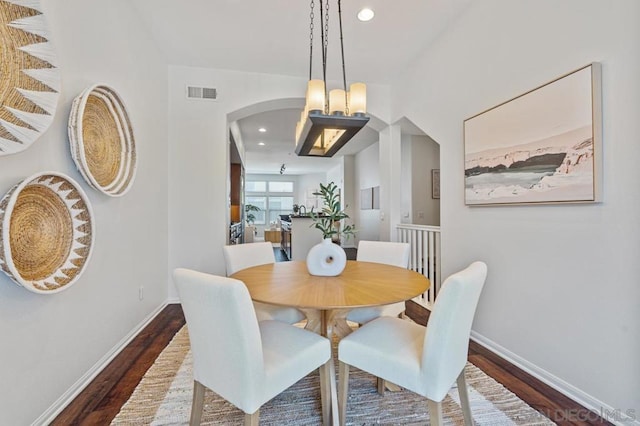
[329, 220]
[327, 258]
[249, 216]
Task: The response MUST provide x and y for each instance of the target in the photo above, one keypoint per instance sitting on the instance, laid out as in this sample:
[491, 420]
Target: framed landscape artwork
[435, 184]
[366, 199]
[541, 147]
[376, 197]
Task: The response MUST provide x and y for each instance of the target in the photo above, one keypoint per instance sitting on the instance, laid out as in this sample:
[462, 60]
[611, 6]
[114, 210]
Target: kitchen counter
[273, 235]
[303, 237]
[285, 239]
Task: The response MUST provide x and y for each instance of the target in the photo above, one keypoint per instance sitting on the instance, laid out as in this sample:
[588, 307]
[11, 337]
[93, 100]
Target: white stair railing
[425, 257]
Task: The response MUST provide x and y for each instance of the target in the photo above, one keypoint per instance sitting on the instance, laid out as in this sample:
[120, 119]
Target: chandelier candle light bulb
[315, 97]
[337, 102]
[358, 98]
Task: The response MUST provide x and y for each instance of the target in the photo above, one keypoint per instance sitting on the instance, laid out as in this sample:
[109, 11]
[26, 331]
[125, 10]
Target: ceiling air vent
[194, 92]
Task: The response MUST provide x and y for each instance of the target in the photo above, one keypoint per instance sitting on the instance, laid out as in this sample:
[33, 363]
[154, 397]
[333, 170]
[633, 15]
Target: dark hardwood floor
[100, 402]
[279, 254]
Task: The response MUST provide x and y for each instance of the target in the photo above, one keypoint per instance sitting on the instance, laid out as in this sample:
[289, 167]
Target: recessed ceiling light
[365, 14]
[262, 130]
[261, 143]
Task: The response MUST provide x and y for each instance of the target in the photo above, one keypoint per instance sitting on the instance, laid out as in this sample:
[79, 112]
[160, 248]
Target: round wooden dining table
[327, 300]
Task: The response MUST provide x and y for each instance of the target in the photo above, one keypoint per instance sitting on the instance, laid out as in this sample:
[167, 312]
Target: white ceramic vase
[326, 259]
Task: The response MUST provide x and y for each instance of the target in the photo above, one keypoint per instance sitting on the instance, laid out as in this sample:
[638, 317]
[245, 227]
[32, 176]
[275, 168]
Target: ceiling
[273, 37]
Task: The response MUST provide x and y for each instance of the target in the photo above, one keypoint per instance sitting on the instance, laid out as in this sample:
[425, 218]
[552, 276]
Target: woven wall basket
[101, 138]
[29, 79]
[46, 232]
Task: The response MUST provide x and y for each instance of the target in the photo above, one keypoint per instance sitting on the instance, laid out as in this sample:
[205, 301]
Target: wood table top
[360, 284]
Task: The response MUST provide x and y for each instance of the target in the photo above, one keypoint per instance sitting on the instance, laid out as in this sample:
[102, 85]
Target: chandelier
[328, 122]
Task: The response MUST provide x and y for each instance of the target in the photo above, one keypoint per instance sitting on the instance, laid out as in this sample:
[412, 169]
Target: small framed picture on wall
[435, 184]
[376, 197]
[366, 199]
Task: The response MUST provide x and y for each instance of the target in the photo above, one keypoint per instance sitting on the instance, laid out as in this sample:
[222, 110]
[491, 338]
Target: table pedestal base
[328, 322]
[334, 322]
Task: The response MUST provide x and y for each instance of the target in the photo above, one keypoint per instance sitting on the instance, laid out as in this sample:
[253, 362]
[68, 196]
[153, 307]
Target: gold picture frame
[544, 146]
[435, 184]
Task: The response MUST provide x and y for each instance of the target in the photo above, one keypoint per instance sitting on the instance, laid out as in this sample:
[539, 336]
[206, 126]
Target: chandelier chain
[326, 50]
[324, 16]
[344, 72]
[325, 44]
[311, 27]
[326, 27]
[324, 32]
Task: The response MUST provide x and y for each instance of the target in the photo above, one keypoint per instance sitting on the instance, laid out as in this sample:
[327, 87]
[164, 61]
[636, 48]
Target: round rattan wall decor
[46, 232]
[29, 79]
[101, 139]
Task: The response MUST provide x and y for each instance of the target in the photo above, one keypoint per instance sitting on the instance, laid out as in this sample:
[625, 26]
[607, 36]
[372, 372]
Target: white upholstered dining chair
[396, 254]
[244, 361]
[242, 256]
[425, 360]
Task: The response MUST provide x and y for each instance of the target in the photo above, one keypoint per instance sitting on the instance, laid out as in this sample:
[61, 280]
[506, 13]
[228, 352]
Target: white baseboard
[617, 417]
[52, 412]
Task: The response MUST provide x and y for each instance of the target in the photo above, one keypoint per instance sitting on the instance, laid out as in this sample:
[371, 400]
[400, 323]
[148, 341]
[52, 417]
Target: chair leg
[197, 403]
[343, 391]
[463, 391]
[381, 385]
[325, 392]
[435, 413]
[252, 419]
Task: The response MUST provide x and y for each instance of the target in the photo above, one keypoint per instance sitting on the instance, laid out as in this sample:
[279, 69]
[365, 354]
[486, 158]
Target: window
[274, 198]
[278, 186]
[278, 206]
[261, 203]
[256, 186]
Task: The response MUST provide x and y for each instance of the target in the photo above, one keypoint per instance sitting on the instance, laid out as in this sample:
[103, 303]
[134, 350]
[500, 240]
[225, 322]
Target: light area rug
[163, 397]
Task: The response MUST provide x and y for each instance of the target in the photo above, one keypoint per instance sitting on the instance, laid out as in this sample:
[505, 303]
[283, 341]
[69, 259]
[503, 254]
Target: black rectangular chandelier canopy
[323, 135]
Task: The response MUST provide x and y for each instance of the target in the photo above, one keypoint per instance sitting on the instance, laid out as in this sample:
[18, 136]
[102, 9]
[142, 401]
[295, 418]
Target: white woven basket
[46, 232]
[29, 79]
[101, 140]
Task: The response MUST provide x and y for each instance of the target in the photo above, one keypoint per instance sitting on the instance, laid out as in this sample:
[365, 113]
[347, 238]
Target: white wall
[425, 157]
[336, 174]
[50, 341]
[406, 194]
[367, 175]
[419, 156]
[562, 293]
[198, 160]
[308, 183]
[198, 154]
[349, 196]
[390, 154]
